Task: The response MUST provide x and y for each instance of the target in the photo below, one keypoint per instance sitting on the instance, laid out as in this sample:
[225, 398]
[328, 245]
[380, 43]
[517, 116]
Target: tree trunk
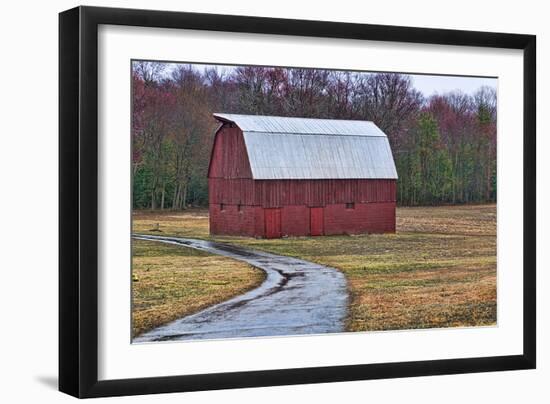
[184, 197]
[153, 193]
[175, 198]
[153, 202]
[162, 196]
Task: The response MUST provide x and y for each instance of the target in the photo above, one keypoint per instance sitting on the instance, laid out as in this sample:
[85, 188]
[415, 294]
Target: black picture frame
[78, 201]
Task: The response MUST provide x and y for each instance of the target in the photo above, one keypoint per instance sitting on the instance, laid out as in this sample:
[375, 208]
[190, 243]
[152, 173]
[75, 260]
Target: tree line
[444, 146]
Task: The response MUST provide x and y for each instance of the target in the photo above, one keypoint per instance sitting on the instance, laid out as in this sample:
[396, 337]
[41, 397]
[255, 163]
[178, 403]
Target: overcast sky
[427, 84]
[430, 85]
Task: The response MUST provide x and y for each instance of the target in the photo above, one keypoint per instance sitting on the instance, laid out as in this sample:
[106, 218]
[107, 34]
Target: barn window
[222, 207]
[350, 205]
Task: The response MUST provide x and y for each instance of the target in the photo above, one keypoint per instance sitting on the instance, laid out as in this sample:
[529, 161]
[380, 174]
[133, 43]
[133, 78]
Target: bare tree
[389, 100]
[149, 72]
[191, 124]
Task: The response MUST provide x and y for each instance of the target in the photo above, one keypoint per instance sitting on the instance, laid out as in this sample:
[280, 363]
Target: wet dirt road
[297, 297]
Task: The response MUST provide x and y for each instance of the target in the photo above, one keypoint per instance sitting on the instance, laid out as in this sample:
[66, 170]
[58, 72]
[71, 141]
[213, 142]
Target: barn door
[273, 223]
[317, 222]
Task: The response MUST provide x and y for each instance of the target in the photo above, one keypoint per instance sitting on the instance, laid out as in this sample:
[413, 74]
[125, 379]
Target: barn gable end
[229, 157]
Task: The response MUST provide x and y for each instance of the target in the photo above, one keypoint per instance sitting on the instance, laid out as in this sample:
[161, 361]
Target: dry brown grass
[192, 223]
[173, 281]
[438, 270]
[472, 220]
[442, 297]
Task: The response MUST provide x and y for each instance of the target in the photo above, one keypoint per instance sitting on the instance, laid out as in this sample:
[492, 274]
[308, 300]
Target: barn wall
[232, 191]
[231, 221]
[377, 217]
[364, 218]
[259, 222]
[229, 157]
[322, 192]
[277, 193]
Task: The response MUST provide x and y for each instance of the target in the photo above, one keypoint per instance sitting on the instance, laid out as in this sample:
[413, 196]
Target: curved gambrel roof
[307, 148]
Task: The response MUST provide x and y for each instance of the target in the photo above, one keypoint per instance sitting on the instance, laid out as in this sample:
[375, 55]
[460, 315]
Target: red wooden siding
[231, 191]
[229, 158]
[277, 193]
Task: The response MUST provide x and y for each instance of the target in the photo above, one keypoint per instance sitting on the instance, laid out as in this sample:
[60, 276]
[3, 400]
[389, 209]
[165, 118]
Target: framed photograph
[251, 201]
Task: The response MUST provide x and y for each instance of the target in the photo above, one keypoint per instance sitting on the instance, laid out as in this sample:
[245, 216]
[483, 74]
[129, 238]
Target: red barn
[273, 177]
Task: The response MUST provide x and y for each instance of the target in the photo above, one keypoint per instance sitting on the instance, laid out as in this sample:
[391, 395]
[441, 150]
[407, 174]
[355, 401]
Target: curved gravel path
[297, 297]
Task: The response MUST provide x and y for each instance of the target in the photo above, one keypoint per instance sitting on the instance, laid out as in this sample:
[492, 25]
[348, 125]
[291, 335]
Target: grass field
[438, 270]
[172, 281]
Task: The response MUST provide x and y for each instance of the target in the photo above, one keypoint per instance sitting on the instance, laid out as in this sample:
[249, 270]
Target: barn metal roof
[306, 148]
[309, 126]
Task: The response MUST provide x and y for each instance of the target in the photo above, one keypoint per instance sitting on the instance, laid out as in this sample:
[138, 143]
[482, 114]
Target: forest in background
[444, 146]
